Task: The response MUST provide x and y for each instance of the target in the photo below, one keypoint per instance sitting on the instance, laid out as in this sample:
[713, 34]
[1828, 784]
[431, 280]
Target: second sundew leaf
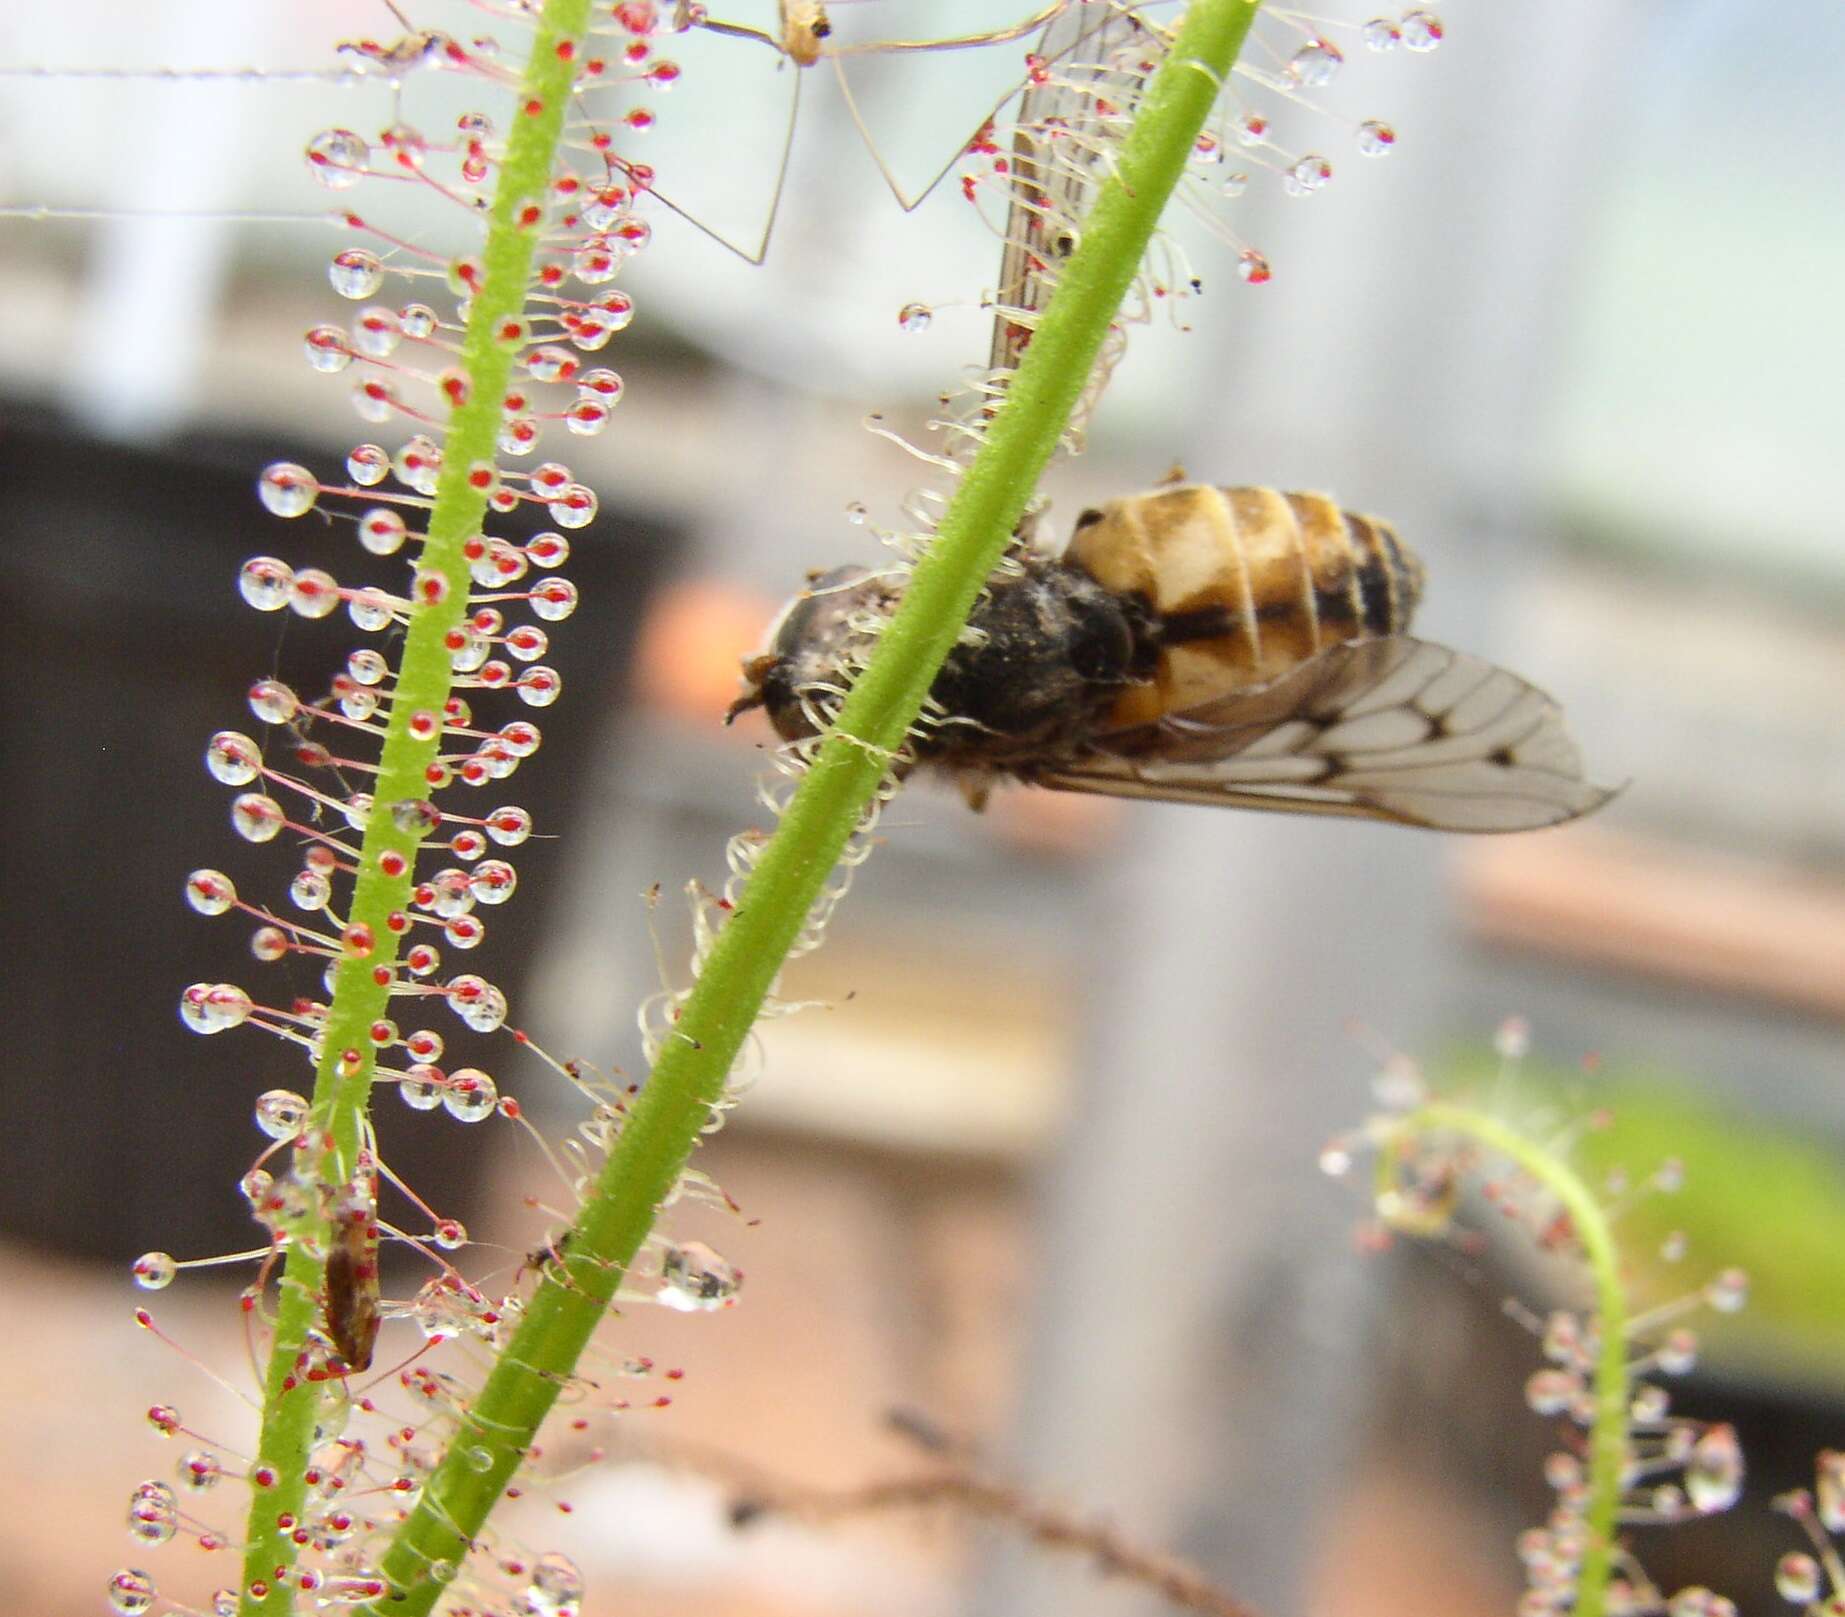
[648, 1157]
[386, 863]
[1632, 1460]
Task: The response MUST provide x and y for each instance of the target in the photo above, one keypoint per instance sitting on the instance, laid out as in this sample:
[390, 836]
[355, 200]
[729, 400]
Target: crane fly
[805, 37]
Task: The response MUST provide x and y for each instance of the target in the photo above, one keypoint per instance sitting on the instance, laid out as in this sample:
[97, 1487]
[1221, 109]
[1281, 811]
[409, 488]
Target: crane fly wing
[1389, 729]
[1058, 159]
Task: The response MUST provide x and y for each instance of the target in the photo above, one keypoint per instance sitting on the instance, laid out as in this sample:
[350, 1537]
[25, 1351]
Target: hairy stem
[658, 1136]
[1608, 1430]
[343, 1076]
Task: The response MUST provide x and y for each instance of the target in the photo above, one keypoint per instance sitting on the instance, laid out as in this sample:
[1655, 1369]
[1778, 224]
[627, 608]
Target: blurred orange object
[695, 637]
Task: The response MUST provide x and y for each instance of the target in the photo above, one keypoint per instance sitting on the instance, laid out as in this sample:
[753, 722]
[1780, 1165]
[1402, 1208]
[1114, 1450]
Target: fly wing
[1392, 729]
[1084, 79]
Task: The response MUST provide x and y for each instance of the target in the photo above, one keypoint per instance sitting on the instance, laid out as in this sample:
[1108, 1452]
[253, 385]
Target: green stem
[343, 1074]
[1608, 1430]
[657, 1139]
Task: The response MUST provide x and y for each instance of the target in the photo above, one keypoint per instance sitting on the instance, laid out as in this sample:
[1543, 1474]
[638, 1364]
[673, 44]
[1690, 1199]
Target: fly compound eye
[1088, 519]
[822, 29]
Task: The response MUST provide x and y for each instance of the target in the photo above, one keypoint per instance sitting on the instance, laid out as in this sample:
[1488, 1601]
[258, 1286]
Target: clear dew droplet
[1797, 1578]
[200, 1470]
[1234, 185]
[1678, 1354]
[1315, 64]
[554, 600]
[914, 317]
[368, 667]
[374, 401]
[272, 701]
[587, 417]
[418, 321]
[131, 1592]
[540, 686]
[1252, 267]
[1422, 30]
[550, 363]
[616, 310]
[367, 464]
[448, 894]
[287, 489]
[210, 892]
[1307, 175]
[371, 610]
[407, 146]
[479, 1003]
[1562, 1470]
[1381, 34]
[257, 818]
[556, 1583]
[382, 531]
[338, 158]
[266, 582]
[492, 881]
[574, 506]
[280, 1113]
[356, 272]
[316, 593]
[693, 1278]
[1829, 1490]
[352, 1589]
[509, 826]
[1728, 1292]
[154, 1271]
[377, 331]
[233, 759]
[1551, 1392]
[1375, 138]
[1650, 1403]
[326, 350]
[214, 1007]
[153, 1513]
[1714, 1474]
[470, 1095]
[421, 1088]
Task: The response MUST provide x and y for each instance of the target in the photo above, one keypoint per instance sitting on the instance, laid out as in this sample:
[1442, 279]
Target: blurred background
[1043, 1169]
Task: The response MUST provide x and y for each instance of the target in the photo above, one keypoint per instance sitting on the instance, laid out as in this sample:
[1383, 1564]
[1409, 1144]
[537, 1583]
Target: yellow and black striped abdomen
[1243, 584]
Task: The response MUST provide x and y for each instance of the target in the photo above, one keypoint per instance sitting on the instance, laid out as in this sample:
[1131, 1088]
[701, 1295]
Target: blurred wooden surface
[1735, 925]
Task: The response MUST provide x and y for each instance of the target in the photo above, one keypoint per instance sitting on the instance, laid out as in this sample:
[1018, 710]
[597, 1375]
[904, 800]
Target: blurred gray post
[1197, 1367]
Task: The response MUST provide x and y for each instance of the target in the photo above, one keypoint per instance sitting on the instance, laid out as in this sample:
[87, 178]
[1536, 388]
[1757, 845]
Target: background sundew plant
[436, 1384]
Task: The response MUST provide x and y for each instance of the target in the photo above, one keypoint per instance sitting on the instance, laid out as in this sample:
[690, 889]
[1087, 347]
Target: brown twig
[1181, 1585]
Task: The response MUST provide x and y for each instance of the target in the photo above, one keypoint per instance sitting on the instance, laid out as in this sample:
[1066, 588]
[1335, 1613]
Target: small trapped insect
[1233, 646]
[349, 1318]
[548, 1252]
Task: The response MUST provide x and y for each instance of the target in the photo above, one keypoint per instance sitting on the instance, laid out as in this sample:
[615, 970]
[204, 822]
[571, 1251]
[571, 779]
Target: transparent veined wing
[1393, 729]
[1089, 67]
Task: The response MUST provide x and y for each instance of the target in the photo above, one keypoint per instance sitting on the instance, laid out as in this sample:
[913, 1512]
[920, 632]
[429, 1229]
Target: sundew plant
[374, 1489]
